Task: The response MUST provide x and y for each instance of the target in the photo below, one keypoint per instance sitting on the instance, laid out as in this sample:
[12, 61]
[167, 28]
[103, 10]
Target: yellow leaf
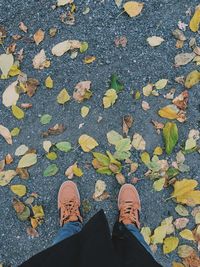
[158, 151]
[51, 155]
[147, 89]
[49, 82]
[185, 251]
[187, 234]
[89, 59]
[84, 111]
[109, 98]
[170, 244]
[19, 189]
[14, 71]
[145, 158]
[169, 112]
[192, 79]
[161, 84]
[146, 232]
[195, 21]
[39, 36]
[77, 171]
[133, 8]
[184, 186]
[159, 234]
[38, 211]
[87, 143]
[6, 177]
[177, 264]
[17, 112]
[190, 198]
[63, 96]
[159, 184]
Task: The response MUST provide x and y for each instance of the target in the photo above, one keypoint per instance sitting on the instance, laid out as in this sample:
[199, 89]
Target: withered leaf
[23, 173]
[56, 129]
[32, 232]
[31, 86]
[181, 100]
[18, 205]
[127, 123]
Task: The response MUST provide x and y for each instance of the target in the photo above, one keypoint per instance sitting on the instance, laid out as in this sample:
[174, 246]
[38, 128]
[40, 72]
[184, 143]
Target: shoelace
[128, 211]
[69, 208]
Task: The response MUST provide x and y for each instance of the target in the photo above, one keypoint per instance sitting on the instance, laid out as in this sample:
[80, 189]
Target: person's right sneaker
[129, 205]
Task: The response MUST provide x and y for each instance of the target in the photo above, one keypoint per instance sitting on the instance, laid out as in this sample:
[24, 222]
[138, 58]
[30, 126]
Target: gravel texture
[136, 64]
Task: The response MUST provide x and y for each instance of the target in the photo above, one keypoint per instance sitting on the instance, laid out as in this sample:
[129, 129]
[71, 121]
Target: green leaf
[17, 112]
[114, 137]
[170, 134]
[45, 119]
[145, 158]
[27, 160]
[122, 155]
[116, 84]
[113, 160]
[50, 170]
[84, 47]
[24, 215]
[103, 159]
[123, 145]
[172, 172]
[64, 146]
[104, 170]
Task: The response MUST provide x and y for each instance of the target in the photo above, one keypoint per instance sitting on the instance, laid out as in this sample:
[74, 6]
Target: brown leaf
[2, 34]
[26, 105]
[179, 35]
[32, 232]
[39, 61]
[16, 37]
[82, 91]
[8, 159]
[68, 18]
[23, 27]
[23, 173]
[20, 54]
[121, 41]
[39, 36]
[56, 129]
[134, 180]
[192, 261]
[31, 86]
[18, 205]
[11, 48]
[158, 125]
[120, 178]
[181, 100]
[127, 123]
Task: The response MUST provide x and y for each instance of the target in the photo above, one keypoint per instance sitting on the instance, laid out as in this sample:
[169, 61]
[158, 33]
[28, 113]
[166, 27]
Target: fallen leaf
[170, 244]
[27, 160]
[19, 190]
[82, 91]
[84, 47]
[145, 105]
[116, 84]
[118, 3]
[6, 62]
[158, 151]
[155, 41]
[181, 210]
[159, 184]
[89, 59]
[6, 177]
[159, 234]
[195, 21]
[45, 119]
[161, 84]
[146, 232]
[192, 79]
[138, 142]
[177, 264]
[8, 159]
[32, 232]
[187, 234]
[51, 155]
[110, 98]
[39, 61]
[121, 41]
[185, 251]
[10, 95]
[56, 129]
[114, 137]
[17, 112]
[133, 8]
[181, 223]
[64, 146]
[169, 112]
[84, 111]
[170, 135]
[21, 150]
[183, 59]
[64, 2]
[39, 36]
[23, 27]
[18, 205]
[15, 131]
[100, 187]
[63, 97]
[178, 34]
[87, 143]
[23, 173]
[63, 47]
[51, 170]
[120, 178]
[147, 90]
[127, 123]
[73, 170]
[31, 86]
[38, 211]
[49, 82]
[192, 261]
[145, 157]
[6, 134]
[47, 145]
[181, 100]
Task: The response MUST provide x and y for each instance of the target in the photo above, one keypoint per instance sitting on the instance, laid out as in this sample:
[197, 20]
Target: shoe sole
[135, 192]
[66, 183]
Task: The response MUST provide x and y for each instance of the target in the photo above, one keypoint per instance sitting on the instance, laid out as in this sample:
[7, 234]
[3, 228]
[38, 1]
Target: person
[92, 245]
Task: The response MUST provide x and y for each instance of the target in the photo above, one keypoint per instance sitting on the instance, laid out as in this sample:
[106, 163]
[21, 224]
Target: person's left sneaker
[69, 203]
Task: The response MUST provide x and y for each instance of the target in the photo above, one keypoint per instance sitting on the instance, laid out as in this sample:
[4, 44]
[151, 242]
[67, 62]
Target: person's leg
[67, 230]
[129, 207]
[68, 205]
